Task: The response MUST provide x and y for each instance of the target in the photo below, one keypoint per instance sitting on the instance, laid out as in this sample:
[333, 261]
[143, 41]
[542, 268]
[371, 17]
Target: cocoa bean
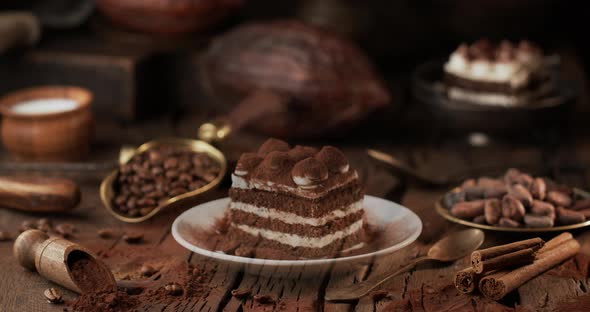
[507, 222]
[479, 219]
[497, 191]
[581, 204]
[449, 199]
[492, 211]
[538, 188]
[559, 199]
[468, 210]
[542, 208]
[512, 208]
[473, 193]
[566, 216]
[521, 193]
[536, 221]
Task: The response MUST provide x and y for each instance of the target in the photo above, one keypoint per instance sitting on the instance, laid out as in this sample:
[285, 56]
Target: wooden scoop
[39, 194]
[51, 258]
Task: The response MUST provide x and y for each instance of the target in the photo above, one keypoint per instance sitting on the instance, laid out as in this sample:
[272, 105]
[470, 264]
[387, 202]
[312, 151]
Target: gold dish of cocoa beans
[516, 202]
[159, 175]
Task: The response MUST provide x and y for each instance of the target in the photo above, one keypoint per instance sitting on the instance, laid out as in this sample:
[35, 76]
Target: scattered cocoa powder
[88, 275]
[192, 281]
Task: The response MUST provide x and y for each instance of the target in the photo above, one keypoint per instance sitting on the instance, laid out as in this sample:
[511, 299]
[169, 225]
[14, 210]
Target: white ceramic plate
[398, 225]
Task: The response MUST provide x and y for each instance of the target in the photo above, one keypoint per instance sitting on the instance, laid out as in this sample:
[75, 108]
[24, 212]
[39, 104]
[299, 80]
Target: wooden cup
[50, 257]
[57, 136]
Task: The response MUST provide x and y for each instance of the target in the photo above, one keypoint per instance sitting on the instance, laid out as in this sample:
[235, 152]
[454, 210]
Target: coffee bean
[184, 165]
[53, 295]
[170, 163]
[161, 173]
[185, 177]
[208, 177]
[133, 237]
[44, 225]
[120, 200]
[155, 157]
[147, 270]
[146, 210]
[106, 233]
[263, 299]
[196, 185]
[5, 236]
[156, 171]
[241, 293]
[177, 191]
[65, 229]
[171, 174]
[147, 188]
[173, 289]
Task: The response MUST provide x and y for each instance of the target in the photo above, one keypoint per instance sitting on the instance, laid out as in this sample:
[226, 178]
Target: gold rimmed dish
[107, 192]
[445, 213]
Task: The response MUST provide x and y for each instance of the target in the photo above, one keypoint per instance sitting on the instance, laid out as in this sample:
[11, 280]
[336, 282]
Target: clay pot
[60, 135]
[167, 16]
[322, 82]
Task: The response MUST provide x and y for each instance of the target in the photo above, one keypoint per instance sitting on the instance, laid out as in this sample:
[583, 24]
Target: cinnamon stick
[485, 254]
[512, 259]
[466, 280]
[556, 241]
[497, 285]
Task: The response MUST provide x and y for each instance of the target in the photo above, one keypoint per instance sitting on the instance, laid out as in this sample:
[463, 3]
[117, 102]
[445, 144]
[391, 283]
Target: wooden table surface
[566, 157]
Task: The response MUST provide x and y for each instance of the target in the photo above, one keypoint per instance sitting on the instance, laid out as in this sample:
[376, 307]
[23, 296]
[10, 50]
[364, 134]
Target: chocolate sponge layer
[309, 208]
[241, 217]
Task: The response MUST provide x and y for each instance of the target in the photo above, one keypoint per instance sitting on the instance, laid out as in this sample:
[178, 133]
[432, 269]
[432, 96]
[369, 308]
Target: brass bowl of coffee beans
[162, 174]
[516, 202]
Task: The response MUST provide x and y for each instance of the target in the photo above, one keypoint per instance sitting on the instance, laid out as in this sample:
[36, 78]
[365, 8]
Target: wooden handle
[253, 108]
[38, 194]
[18, 29]
[26, 245]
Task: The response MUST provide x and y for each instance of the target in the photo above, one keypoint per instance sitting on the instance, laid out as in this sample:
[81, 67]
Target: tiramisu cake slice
[502, 74]
[296, 202]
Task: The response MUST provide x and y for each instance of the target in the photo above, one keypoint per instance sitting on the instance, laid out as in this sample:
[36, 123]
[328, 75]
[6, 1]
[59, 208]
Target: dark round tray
[427, 87]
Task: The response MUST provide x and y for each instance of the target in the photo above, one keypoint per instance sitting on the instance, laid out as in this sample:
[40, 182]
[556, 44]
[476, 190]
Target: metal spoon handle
[356, 291]
[401, 168]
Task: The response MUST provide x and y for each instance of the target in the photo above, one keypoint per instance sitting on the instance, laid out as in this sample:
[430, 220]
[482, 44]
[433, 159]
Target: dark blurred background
[138, 74]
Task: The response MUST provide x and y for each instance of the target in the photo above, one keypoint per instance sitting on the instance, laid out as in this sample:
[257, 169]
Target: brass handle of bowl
[215, 130]
[18, 29]
[39, 194]
[257, 105]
